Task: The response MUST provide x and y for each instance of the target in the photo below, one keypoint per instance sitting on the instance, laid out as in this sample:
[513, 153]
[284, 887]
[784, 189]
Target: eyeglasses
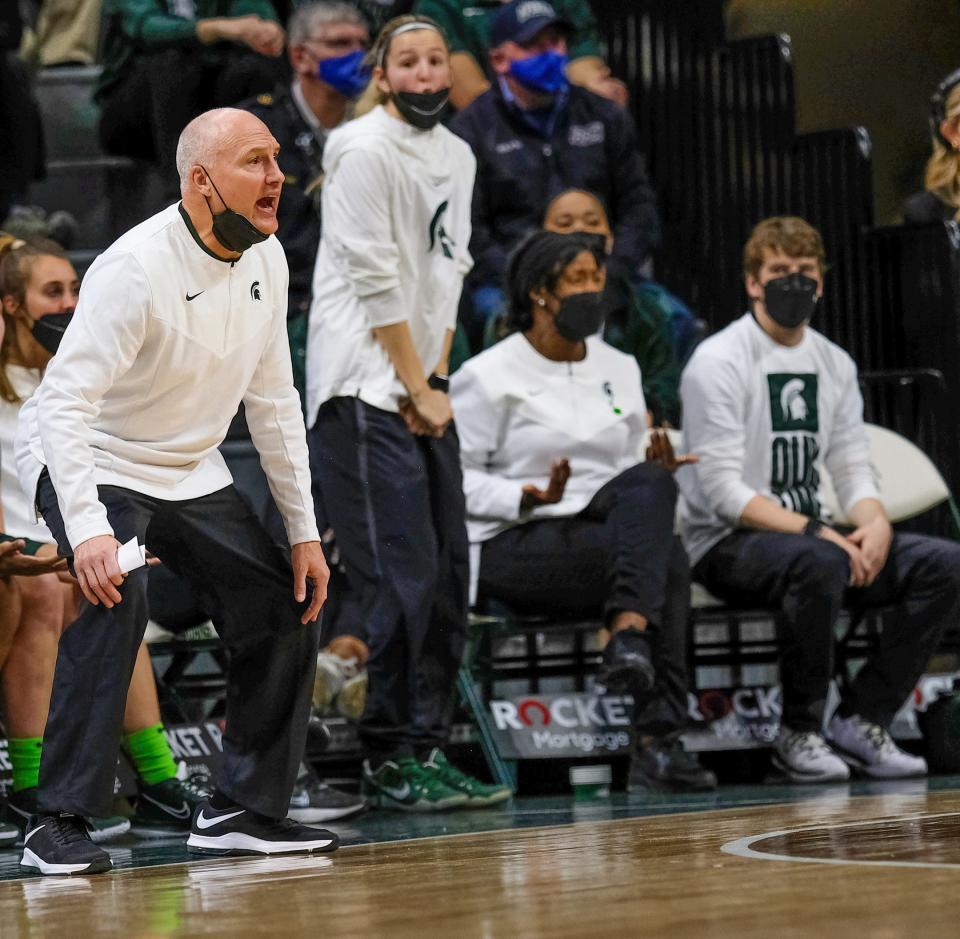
[345, 43]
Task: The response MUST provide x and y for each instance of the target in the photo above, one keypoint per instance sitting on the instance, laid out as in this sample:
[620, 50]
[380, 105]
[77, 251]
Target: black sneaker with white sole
[165, 809]
[237, 831]
[60, 844]
[22, 806]
[9, 835]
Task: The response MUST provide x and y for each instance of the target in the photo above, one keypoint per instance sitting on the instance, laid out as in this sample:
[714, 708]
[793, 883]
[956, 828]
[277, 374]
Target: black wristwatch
[813, 527]
[439, 383]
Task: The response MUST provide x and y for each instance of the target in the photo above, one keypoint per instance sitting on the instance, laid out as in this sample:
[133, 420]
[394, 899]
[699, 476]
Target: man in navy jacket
[534, 135]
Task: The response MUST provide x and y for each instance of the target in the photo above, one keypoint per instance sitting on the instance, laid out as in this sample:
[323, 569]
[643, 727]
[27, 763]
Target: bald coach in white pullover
[179, 321]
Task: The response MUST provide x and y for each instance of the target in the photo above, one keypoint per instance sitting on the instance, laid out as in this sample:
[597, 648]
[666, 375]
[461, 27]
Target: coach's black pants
[396, 503]
[806, 578]
[217, 545]
[618, 554]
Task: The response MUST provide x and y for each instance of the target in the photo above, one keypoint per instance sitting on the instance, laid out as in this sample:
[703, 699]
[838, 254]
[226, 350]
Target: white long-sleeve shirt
[19, 516]
[517, 412]
[762, 417]
[396, 231]
[166, 341]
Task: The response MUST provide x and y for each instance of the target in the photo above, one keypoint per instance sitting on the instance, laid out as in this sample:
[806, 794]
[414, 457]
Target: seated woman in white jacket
[551, 422]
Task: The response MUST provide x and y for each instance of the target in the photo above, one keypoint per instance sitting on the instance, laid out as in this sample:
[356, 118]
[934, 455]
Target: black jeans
[619, 553]
[217, 545]
[396, 504]
[142, 116]
[806, 579]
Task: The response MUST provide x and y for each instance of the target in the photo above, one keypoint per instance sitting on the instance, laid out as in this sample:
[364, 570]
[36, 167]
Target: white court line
[742, 847]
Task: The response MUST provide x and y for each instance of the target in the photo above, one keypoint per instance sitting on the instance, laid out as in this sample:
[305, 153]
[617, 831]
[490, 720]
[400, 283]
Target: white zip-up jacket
[394, 248]
[762, 417]
[167, 340]
[517, 412]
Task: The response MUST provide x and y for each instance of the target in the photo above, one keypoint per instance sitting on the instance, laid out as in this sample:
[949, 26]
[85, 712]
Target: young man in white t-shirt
[766, 402]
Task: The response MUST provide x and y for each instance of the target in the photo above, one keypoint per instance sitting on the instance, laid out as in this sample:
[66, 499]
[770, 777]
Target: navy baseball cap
[521, 20]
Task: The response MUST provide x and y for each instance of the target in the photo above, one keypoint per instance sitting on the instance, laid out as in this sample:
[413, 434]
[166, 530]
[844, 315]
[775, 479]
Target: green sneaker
[409, 786]
[479, 795]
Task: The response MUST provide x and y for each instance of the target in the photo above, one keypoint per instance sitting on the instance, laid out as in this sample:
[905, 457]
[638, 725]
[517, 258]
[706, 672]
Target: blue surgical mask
[345, 73]
[546, 72]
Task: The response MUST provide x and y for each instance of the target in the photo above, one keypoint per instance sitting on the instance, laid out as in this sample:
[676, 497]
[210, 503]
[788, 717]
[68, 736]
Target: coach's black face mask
[231, 229]
[791, 300]
[49, 329]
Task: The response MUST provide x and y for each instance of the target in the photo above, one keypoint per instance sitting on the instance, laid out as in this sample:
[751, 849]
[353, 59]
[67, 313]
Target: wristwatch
[813, 527]
[439, 382]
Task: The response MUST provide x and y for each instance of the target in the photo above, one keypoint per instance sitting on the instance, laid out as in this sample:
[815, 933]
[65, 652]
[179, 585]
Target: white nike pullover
[761, 417]
[166, 341]
[396, 231]
[517, 412]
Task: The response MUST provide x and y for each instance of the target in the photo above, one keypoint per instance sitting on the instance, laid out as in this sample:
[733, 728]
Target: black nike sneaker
[627, 666]
[60, 844]
[22, 806]
[237, 831]
[9, 835]
[166, 808]
[664, 765]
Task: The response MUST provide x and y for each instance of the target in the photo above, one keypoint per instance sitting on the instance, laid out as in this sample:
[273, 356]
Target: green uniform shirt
[467, 25]
[137, 26]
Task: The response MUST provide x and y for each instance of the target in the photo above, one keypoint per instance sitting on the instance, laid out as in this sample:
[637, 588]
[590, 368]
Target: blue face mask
[345, 73]
[546, 72]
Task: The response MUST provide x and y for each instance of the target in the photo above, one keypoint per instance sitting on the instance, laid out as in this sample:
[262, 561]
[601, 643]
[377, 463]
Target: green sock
[25, 759]
[151, 755]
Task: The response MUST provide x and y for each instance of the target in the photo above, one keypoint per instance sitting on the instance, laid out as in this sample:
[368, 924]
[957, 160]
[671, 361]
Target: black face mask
[580, 315]
[422, 110]
[49, 329]
[791, 299]
[231, 229]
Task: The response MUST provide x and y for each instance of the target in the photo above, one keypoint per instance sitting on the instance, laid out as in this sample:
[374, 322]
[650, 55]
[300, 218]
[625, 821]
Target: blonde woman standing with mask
[392, 259]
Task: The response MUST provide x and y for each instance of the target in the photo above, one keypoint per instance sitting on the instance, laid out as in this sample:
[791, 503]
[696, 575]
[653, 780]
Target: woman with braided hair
[562, 515]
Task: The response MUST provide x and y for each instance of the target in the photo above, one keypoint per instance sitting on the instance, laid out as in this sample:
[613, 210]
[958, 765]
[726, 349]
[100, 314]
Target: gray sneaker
[805, 757]
[314, 801]
[870, 749]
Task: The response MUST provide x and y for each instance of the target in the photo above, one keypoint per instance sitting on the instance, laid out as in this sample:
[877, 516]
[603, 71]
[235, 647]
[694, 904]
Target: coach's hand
[95, 564]
[309, 563]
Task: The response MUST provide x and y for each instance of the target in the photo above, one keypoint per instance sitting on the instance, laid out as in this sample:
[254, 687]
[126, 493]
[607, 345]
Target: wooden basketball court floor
[859, 860]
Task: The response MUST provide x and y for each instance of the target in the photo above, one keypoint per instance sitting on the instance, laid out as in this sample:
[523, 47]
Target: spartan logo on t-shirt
[795, 421]
[438, 234]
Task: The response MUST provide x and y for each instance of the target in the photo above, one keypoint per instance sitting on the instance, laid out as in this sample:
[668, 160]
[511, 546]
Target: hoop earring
[541, 301]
